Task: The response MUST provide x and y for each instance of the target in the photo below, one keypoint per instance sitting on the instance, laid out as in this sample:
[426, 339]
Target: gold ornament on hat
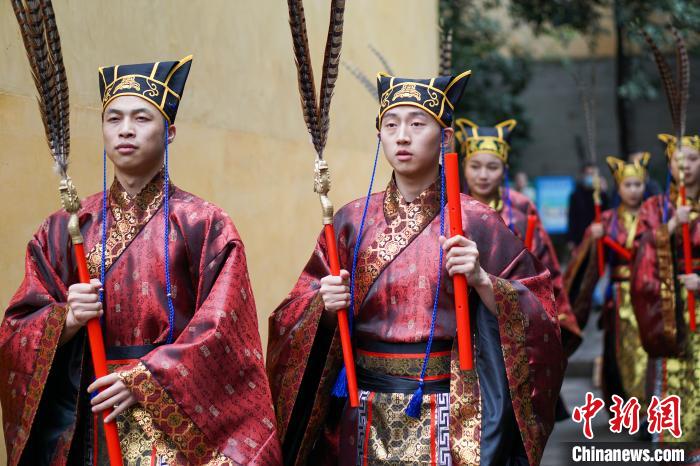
[621, 169]
[472, 142]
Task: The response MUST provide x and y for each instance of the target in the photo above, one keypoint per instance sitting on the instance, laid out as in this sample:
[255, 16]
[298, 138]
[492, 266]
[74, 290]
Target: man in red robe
[416, 405]
[171, 287]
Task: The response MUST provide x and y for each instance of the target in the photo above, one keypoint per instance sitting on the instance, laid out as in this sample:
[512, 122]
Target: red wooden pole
[619, 249]
[454, 207]
[99, 361]
[343, 325]
[530, 231]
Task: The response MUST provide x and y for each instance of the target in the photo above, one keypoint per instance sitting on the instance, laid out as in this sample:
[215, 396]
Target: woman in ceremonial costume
[416, 405]
[485, 152]
[171, 287]
[660, 290]
[624, 359]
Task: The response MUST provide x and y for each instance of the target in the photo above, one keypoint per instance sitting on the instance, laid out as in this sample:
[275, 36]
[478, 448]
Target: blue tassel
[414, 406]
[340, 389]
[509, 202]
[667, 196]
[166, 242]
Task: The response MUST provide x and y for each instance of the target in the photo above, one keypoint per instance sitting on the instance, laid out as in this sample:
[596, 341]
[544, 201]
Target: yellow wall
[241, 141]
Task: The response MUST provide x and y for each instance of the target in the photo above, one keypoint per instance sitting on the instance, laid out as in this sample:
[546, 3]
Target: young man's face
[411, 140]
[133, 132]
[484, 174]
[691, 166]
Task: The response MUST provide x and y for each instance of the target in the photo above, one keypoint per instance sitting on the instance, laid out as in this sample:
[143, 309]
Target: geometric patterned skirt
[140, 441]
[380, 432]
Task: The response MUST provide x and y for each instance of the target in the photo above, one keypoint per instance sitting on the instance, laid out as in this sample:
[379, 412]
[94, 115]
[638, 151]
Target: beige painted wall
[241, 141]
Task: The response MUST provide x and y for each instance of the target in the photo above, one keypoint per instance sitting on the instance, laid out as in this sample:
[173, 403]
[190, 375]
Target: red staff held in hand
[37, 24]
[316, 117]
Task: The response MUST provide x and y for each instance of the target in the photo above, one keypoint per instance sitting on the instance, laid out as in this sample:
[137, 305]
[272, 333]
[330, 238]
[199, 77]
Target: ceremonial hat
[437, 96]
[159, 83]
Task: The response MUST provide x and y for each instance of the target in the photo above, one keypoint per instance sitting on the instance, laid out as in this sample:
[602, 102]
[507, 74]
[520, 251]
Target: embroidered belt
[382, 383]
[396, 367]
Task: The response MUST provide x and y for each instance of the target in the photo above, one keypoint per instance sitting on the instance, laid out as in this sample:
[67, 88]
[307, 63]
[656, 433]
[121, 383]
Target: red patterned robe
[518, 353]
[202, 400]
[661, 308]
[543, 249]
[624, 359]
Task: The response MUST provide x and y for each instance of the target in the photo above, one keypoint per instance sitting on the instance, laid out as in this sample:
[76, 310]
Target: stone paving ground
[577, 382]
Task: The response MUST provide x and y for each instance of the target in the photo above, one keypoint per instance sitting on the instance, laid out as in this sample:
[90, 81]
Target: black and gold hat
[621, 169]
[160, 83]
[492, 140]
[437, 96]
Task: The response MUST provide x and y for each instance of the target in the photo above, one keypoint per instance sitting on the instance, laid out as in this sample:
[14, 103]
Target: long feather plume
[589, 109]
[670, 88]
[60, 82]
[382, 59]
[305, 73]
[316, 113]
[683, 67]
[331, 63]
[445, 66]
[42, 44]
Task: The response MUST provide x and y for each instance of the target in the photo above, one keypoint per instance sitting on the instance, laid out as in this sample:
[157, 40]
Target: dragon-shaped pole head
[322, 184]
[71, 203]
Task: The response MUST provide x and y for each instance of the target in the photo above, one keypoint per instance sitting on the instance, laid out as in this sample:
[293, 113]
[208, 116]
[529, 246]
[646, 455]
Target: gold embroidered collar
[629, 222]
[150, 196]
[394, 203]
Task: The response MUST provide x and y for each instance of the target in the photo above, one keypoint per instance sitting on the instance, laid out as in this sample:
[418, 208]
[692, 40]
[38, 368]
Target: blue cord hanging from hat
[162, 85]
[393, 91]
[166, 229]
[415, 404]
[340, 389]
[506, 195]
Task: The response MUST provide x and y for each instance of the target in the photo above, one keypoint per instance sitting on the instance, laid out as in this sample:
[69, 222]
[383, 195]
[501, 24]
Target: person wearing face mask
[660, 289]
[416, 405]
[624, 359]
[485, 152]
[581, 206]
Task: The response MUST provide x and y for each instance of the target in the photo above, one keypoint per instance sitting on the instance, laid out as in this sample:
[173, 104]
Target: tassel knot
[340, 389]
[414, 406]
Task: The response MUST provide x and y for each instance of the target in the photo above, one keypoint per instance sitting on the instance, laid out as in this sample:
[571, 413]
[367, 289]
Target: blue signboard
[553, 201]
